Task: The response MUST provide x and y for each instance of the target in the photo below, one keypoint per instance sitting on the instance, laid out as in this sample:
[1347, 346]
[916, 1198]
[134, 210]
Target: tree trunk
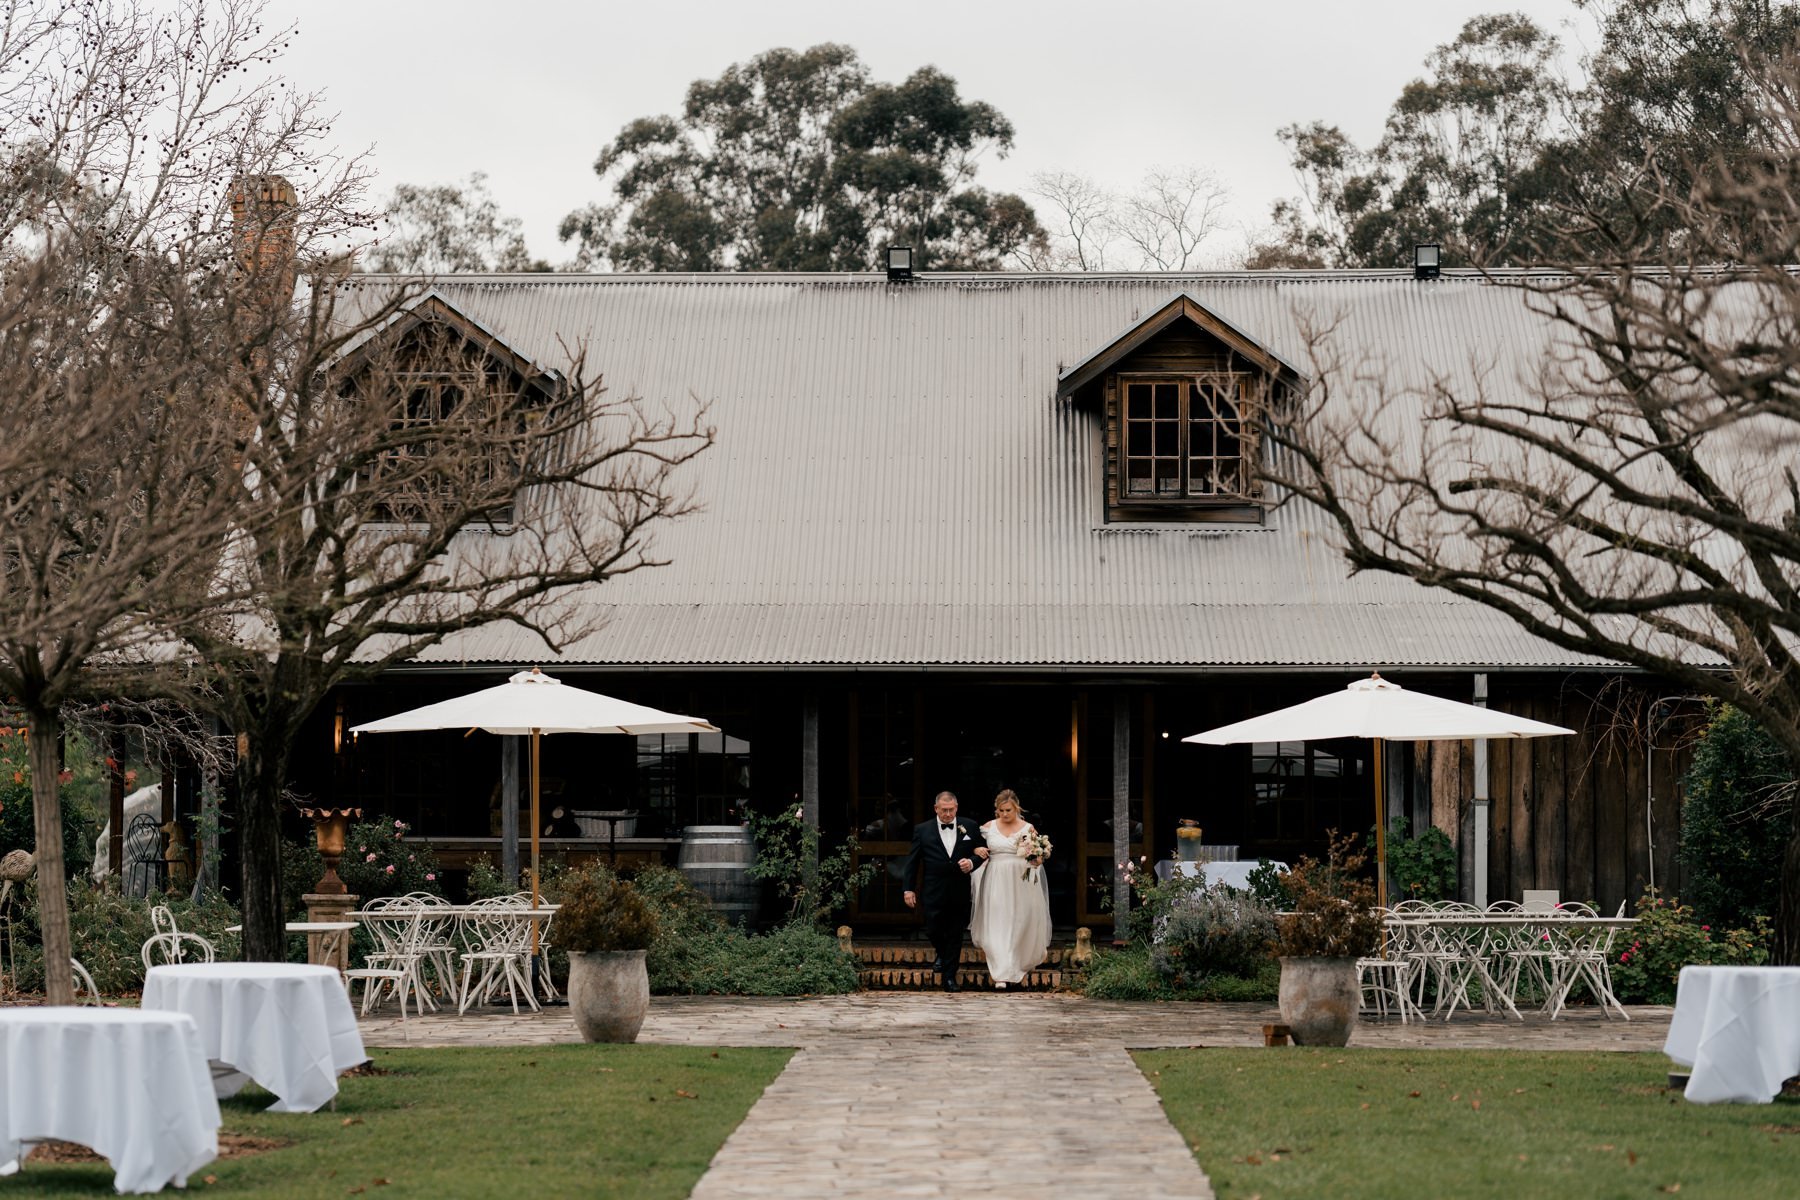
[259, 854]
[53, 887]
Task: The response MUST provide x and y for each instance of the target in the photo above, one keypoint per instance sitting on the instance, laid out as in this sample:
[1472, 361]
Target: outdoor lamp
[1425, 260]
[899, 264]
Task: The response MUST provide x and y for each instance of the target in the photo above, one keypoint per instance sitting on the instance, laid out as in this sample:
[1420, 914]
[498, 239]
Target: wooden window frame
[474, 383]
[1182, 452]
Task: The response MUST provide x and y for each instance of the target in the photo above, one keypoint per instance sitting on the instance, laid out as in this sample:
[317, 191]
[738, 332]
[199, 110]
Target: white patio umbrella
[1381, 711]
[534, 703]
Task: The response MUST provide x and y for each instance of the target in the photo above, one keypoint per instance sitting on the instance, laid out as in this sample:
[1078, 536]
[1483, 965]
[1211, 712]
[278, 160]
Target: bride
[1011, 917]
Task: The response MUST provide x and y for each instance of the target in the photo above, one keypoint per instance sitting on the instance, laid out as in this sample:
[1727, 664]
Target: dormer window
[457, 403]
[1184, 438]
[1184, 395]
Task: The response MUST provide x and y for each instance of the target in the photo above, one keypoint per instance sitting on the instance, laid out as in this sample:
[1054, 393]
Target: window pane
[1168, 476]
[1168, 439]
[1138, 402]
[1137, 478]
[1168, 401]
[1137, 438]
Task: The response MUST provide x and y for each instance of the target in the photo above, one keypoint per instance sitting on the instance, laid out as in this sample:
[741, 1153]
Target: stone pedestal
[329, 949]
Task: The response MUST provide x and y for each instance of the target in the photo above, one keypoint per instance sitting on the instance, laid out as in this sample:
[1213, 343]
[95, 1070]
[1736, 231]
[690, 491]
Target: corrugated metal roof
[895, 483]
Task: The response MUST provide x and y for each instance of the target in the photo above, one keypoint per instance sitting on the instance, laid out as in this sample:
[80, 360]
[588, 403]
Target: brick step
[912, 978]
[910, 954]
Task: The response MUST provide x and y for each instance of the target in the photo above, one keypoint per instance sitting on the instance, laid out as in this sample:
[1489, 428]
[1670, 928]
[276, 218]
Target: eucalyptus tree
[799, 161]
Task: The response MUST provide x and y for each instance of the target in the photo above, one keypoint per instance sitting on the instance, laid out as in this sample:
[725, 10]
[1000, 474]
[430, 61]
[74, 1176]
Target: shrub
[815, 885]
[485, 880]
[18, 829]
[1420, 868]
[1218, 931]
[302, 867]
[1268, 883]
[1333, 913]
[1127, 973]
[107, 933]
[377, 862]
[601, 912]
[1670, 935]
[796, 959]
[1734, 822]
[1157, 898]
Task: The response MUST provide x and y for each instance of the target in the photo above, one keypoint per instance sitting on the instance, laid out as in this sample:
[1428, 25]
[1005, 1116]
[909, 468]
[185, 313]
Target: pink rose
[430, 878]
[371, 858]
[390, 868]
[399, 824]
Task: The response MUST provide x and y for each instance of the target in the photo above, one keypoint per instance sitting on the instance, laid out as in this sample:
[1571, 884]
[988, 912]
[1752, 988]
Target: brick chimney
[262, 214]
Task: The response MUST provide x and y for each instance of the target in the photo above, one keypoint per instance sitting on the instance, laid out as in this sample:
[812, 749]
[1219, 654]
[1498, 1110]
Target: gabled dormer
[458, 397]
[1185, 396]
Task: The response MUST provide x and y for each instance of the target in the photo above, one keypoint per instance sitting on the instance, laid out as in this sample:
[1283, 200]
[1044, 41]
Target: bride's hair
[1008, 796]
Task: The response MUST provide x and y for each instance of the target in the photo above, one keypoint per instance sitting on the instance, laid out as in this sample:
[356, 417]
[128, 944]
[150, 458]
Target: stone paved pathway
[909, 1094]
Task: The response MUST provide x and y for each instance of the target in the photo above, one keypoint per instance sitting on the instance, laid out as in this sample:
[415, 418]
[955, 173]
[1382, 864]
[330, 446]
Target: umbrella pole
[1381, 892]
[535, 830]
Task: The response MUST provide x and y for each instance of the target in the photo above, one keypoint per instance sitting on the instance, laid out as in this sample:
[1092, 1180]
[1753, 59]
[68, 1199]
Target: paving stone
[900, 1094]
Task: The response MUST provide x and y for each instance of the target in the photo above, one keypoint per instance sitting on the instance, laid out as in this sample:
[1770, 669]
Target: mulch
[231, 1145]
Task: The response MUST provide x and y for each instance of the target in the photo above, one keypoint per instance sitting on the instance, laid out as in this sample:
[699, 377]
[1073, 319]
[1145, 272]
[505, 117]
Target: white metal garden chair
[499, 941]
[168, 945]
[434, 941]
[1386, 978]
[399, 955]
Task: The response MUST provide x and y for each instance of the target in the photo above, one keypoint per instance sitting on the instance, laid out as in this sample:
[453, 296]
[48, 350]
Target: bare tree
[1170, 215]
[1636, 496]
[406, 478]
[1078, 219]
[121, 129]
[1159, 226]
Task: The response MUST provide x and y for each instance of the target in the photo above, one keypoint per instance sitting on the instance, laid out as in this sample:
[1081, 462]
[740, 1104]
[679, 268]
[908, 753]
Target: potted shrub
[1332, 923]
[605, 927]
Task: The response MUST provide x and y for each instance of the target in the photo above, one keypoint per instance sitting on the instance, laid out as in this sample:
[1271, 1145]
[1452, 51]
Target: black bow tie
[946, 827]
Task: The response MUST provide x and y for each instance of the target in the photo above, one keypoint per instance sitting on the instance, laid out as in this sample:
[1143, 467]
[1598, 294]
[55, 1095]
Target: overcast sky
[529, 90]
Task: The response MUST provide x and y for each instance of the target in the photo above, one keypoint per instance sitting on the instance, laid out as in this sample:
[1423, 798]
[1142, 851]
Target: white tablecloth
[1739, 1029]
[287, 1026]
[1229, 874]
[132, 1086]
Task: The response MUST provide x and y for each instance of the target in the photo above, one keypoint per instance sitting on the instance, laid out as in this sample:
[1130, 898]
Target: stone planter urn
[609, 993]
[1319, 999]
[329, 827]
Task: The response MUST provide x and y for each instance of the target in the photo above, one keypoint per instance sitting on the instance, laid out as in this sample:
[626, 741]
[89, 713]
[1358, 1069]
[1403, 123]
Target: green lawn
[603, 1120]
[1294, 1122]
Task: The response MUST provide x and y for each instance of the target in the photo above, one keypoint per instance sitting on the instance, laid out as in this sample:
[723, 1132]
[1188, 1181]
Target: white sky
[529, 90]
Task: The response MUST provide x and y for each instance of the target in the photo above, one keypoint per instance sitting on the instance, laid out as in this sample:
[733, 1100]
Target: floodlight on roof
[899, 264]
[1425, 260]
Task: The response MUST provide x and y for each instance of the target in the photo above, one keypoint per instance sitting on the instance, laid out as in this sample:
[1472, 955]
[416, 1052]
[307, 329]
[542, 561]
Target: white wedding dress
[1011, 917]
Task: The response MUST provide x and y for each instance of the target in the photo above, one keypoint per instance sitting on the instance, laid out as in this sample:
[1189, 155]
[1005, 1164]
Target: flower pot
[609, 992]
[1319, 999]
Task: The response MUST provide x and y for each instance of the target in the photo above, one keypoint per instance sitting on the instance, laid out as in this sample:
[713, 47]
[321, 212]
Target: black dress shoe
[950, 985]
[937, 964]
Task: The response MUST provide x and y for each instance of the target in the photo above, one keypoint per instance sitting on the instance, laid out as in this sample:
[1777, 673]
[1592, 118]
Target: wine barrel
[716, 859]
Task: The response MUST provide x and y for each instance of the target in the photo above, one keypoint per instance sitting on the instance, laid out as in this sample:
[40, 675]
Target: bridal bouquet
[1034, 848]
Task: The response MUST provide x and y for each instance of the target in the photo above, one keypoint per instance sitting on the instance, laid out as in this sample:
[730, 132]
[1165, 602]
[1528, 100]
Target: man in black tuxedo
[948, 849]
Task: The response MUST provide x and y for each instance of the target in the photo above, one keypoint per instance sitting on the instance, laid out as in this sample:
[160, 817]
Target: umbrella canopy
[1376, 709]
[534, 703]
